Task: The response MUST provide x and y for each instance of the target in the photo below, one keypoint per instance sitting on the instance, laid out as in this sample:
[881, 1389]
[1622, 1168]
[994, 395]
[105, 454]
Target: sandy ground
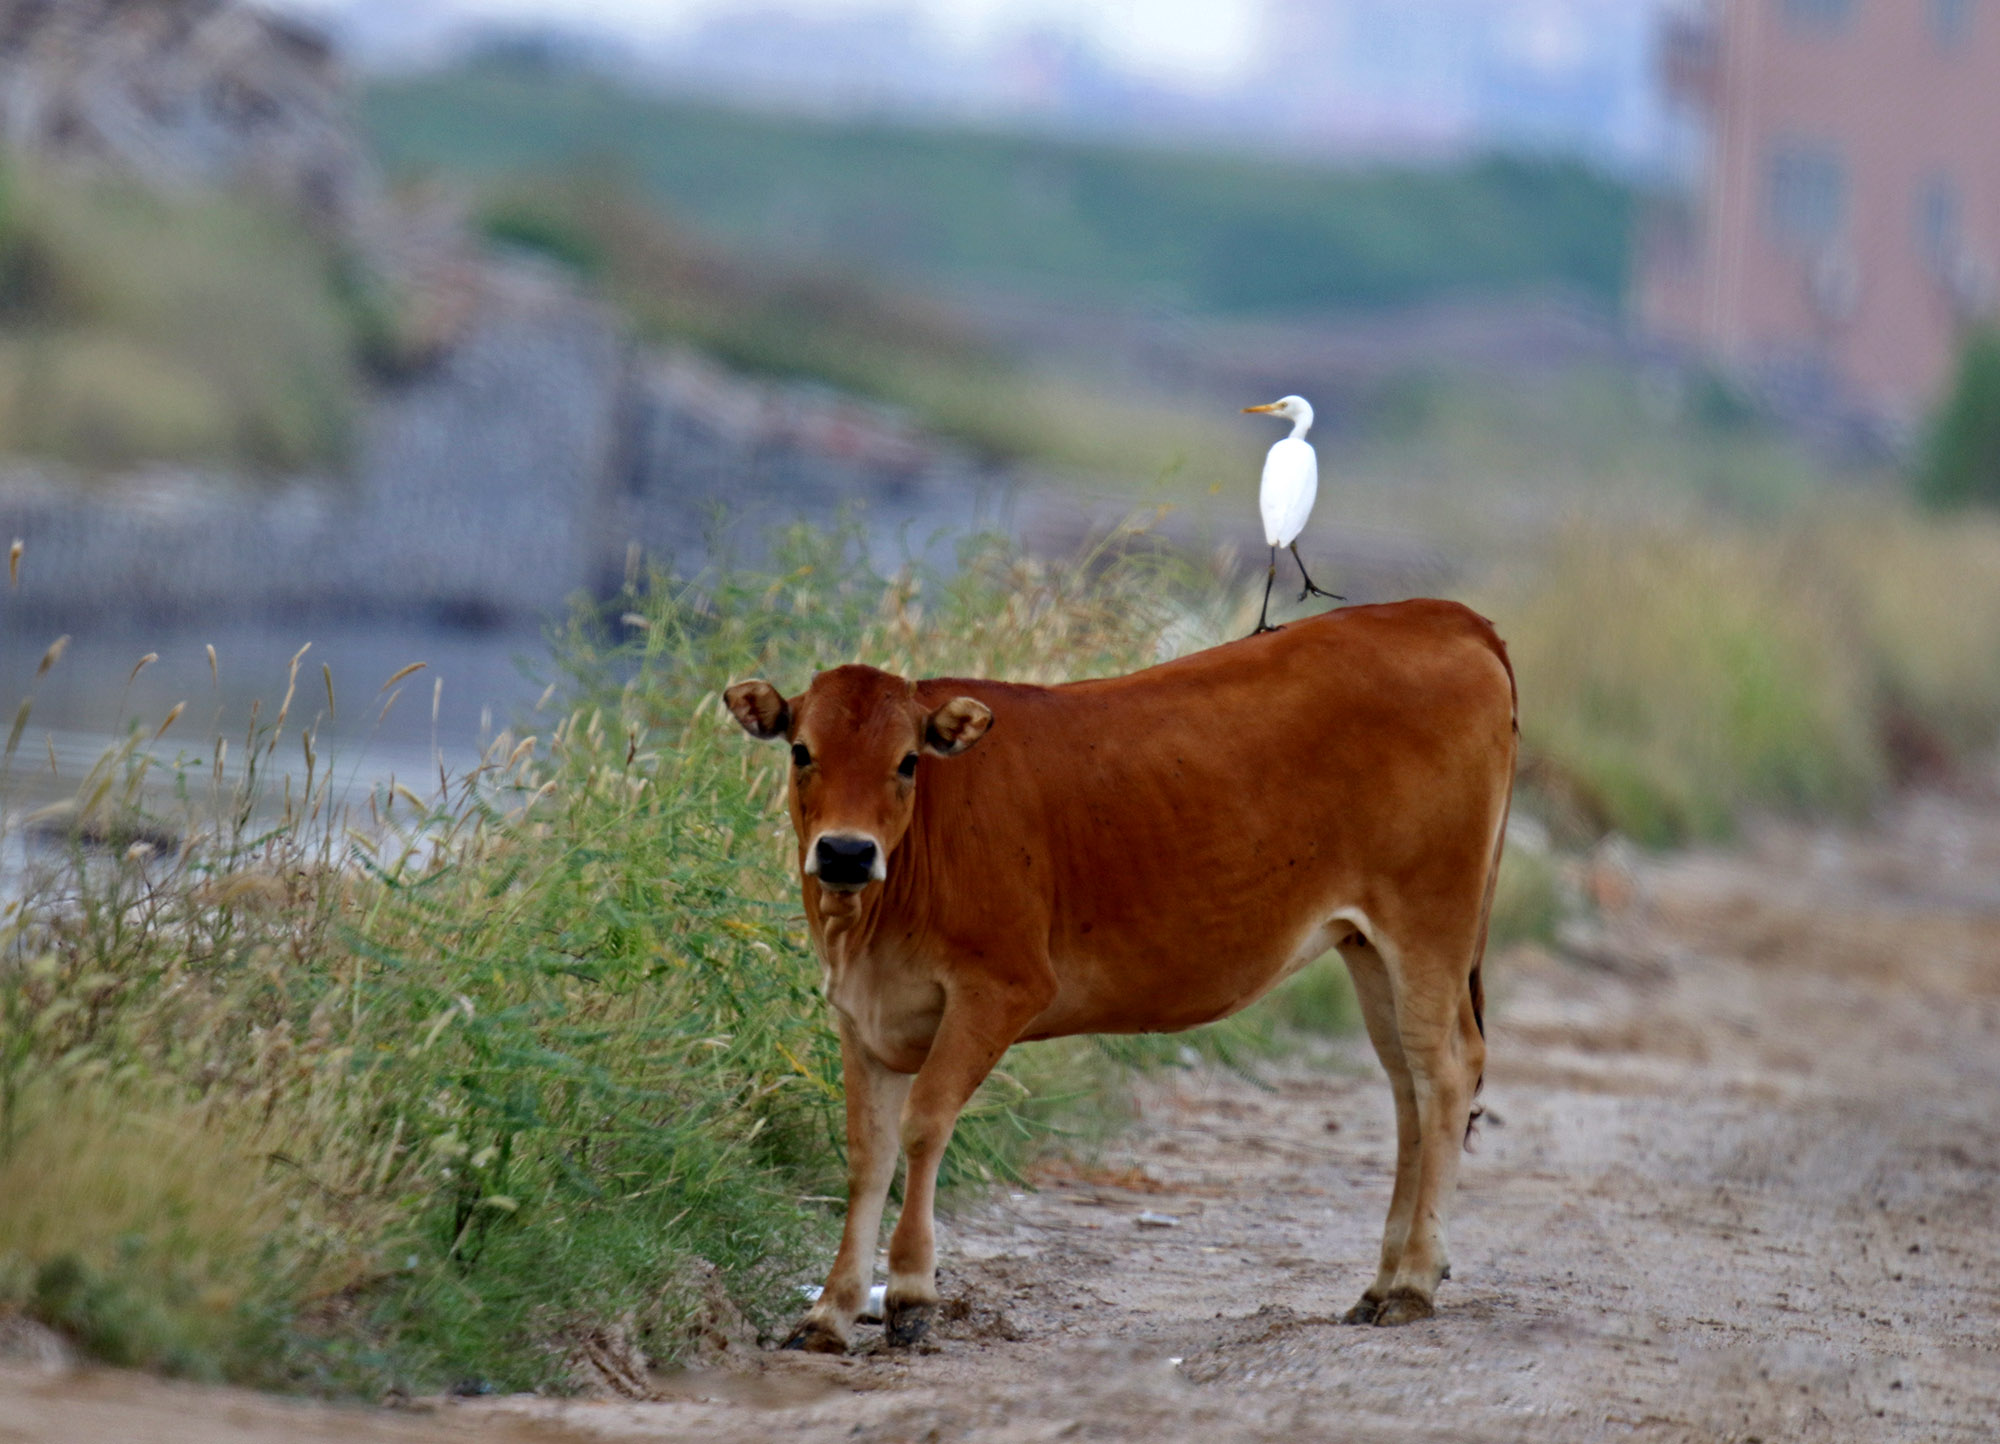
[1739, 1180]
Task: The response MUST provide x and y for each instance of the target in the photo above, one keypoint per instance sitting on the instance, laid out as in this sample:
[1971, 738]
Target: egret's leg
[1264, 615]
[1311, 590]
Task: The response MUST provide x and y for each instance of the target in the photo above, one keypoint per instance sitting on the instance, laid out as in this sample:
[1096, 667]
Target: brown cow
[1143, 854]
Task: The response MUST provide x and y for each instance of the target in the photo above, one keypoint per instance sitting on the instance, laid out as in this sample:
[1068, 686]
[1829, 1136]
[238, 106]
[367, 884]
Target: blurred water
[472, 685]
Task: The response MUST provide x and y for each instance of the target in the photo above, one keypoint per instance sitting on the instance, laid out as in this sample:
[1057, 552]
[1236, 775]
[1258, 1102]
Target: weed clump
[140, 1228]
[1670, 677]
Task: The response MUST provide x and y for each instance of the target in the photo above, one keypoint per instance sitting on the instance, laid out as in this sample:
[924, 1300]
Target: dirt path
[1740, 1181]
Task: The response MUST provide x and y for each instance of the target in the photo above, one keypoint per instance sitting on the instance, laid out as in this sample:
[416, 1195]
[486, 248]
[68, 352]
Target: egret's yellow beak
[1270, 406]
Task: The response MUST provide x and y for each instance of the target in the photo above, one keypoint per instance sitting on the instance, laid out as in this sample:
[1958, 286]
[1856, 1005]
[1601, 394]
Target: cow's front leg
[978, 1027]
[875, 1098]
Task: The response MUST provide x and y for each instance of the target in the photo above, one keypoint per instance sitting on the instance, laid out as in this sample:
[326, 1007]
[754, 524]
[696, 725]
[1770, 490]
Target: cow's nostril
[845, 861]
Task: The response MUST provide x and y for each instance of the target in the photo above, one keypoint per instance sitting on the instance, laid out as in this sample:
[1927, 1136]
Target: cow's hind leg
[1445, 1054]
[979, 1025]
[874, 1102]
[1378, 1010]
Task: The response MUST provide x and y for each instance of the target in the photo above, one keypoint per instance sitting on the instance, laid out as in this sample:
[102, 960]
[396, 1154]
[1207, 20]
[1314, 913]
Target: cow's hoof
[1363, 1312]
[814, 1337]
[1404, 1306]
[906, 1324]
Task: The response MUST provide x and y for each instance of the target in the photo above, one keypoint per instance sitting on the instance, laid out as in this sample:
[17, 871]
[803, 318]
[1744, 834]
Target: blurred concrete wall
[475, 496]
[537, 457]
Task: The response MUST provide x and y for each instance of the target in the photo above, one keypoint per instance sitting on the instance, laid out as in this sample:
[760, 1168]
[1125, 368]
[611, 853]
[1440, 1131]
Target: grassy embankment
[811, 322]
[688, 218]
[195, 330]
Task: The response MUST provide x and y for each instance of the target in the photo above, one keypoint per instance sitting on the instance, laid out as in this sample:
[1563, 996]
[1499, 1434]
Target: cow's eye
[801, 755]
[907, 767]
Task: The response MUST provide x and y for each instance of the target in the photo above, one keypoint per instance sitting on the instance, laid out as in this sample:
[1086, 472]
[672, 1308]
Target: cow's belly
[1161, 980]
[1210, 916]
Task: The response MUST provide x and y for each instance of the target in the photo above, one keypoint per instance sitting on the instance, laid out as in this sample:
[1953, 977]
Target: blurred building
[1843, 224]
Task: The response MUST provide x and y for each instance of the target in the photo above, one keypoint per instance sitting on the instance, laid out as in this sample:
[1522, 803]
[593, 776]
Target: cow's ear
[956, 726]
[761, 708]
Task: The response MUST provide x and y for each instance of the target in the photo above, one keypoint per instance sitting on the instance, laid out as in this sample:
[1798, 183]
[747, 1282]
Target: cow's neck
[841, 923]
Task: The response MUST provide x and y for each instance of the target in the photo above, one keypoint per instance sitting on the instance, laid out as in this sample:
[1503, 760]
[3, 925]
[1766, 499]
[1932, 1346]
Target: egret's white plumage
[1291, 485]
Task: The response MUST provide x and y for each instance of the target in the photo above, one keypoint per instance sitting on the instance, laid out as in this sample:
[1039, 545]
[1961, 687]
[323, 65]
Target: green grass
[1101, 223]
[136, 328]
[136, 1226]
[1527, 899]
[1673, 677]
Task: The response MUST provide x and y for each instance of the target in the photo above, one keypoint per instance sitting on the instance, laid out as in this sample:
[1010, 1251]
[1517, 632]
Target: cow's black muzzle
[845, 863]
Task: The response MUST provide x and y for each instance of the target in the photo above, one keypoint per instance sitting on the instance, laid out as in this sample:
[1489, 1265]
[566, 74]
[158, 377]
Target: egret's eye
[801, 755]
[907, 768]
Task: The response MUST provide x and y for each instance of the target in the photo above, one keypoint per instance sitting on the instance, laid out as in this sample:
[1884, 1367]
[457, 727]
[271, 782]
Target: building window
[1939, 214]
[1951, 22]
[1818, 14]
[1807, 190]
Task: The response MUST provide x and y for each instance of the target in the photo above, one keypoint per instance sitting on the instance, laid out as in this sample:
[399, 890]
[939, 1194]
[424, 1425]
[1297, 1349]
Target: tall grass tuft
[142, 1226]
[1673, 678]
[1919, 597]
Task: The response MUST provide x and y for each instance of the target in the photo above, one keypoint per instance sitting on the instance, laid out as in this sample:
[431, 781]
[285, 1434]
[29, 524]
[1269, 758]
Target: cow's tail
[1475, 981]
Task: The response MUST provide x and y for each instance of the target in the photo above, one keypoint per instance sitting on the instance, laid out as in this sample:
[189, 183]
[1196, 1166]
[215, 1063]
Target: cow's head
[857, 737]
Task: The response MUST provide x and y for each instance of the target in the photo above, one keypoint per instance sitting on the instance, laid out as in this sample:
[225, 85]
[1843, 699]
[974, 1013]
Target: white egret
[1291, 482]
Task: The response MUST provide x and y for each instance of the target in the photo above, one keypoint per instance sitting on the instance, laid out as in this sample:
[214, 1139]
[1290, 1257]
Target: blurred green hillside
[134, 327]
[841, 328]
[1119, 225]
